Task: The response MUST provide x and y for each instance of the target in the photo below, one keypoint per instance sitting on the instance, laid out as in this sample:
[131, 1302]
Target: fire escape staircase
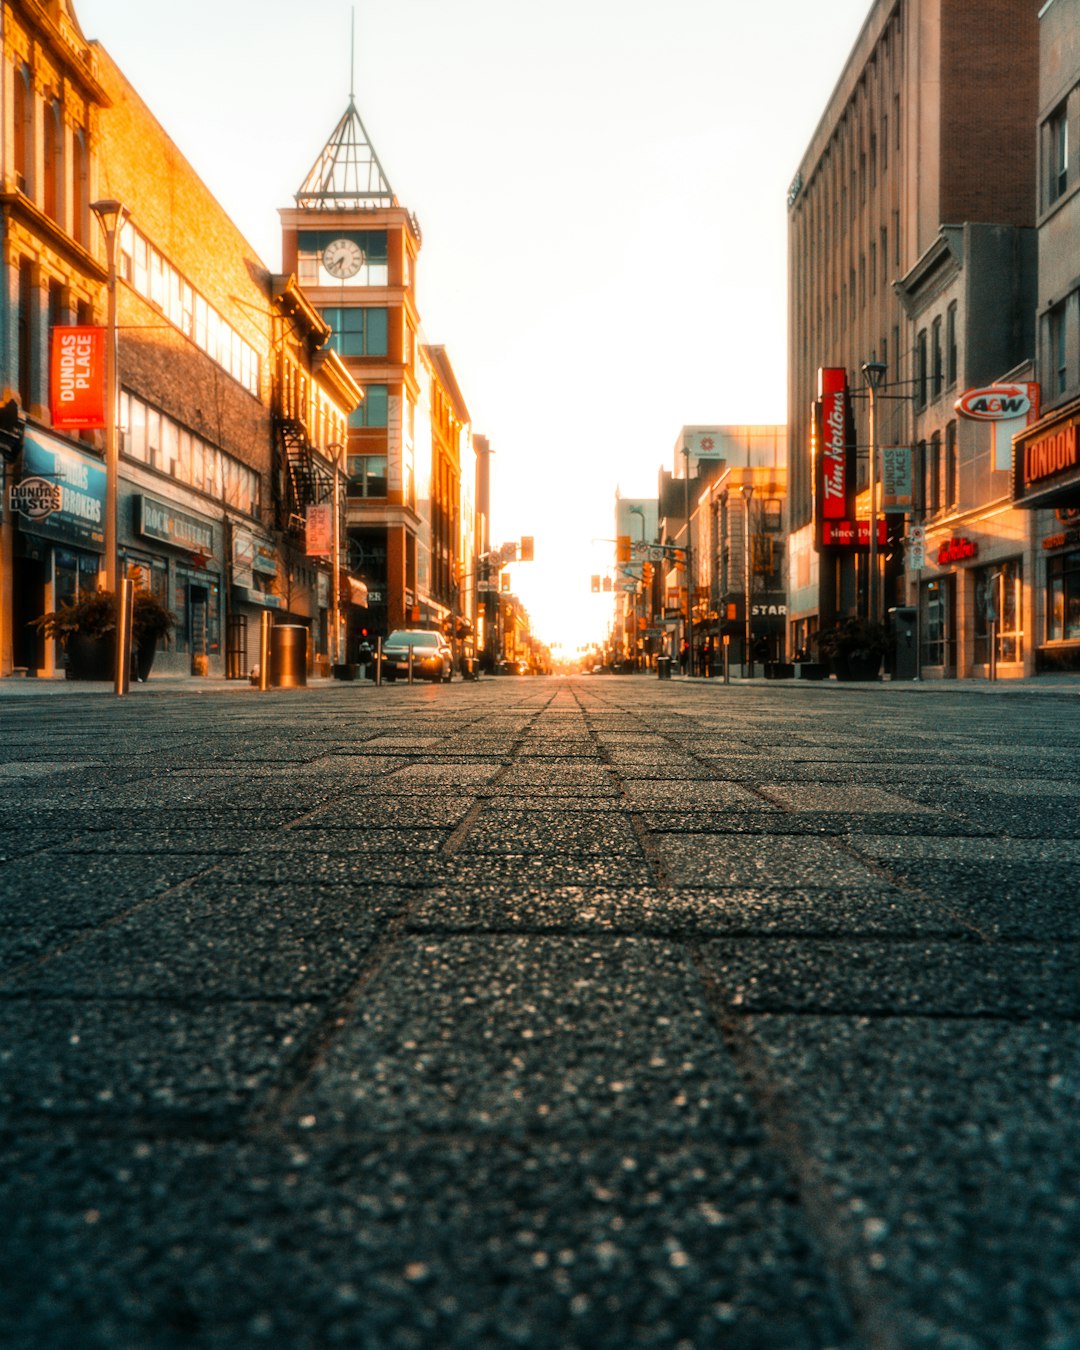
[307, 481]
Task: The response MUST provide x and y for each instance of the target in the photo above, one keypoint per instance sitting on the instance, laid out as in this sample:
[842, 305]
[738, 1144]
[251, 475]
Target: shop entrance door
[939, 624]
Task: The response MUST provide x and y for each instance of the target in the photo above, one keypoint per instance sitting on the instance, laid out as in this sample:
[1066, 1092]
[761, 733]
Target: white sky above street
[601, 186]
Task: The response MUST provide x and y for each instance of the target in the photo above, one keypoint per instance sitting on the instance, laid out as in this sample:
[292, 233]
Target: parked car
[432, 658]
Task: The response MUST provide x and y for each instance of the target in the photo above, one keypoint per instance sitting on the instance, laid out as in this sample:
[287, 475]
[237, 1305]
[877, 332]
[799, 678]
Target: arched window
[23, 128]
[80, 188]
[54, 159]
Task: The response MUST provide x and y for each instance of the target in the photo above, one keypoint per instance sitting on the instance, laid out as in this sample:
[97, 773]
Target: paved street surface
[590, 1013]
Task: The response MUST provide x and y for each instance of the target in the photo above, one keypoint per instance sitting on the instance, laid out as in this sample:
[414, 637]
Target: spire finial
[352, 59]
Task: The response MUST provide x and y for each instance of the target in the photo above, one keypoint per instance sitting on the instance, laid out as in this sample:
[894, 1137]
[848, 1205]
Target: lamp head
[873, 373]
[111, 214]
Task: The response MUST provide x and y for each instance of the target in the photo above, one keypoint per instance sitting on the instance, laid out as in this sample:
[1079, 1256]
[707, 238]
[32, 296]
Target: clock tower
[353, 249]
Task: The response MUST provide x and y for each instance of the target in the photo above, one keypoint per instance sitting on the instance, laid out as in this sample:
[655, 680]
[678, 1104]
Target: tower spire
[347, 174]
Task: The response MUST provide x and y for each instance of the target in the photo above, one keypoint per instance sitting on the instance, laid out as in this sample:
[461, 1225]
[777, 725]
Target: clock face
[343, 258]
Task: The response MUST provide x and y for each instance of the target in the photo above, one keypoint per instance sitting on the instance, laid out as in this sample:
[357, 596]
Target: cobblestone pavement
[540, 1013]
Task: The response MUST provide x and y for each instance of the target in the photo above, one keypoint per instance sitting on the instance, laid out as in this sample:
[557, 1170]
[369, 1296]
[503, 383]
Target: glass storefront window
[1063, 597]
[998, 595]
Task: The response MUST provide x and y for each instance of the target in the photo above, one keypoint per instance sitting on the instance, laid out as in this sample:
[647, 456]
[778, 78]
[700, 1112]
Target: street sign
[916, 541]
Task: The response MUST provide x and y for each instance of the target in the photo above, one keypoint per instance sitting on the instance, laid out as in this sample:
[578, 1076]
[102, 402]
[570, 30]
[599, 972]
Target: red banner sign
[78, 378]
[834, 450]
[842, 533]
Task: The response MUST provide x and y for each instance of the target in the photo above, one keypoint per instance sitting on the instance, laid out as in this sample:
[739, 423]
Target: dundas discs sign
[36, 498]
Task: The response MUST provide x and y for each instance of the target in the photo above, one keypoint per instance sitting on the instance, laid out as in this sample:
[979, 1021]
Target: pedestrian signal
[525, 551]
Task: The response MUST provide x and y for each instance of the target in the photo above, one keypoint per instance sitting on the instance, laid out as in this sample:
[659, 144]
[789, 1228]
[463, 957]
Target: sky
[601, 188]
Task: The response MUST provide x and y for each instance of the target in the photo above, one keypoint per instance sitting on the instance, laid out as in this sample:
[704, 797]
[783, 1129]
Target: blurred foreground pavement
[540, 1013]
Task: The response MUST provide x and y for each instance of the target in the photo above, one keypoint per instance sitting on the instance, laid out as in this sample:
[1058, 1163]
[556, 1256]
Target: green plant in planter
[150, 618]
[94, 616]
[853, 639]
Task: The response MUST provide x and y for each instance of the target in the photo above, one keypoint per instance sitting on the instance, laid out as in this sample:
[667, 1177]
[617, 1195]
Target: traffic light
[647, 573]
[595, 586]
[622, 548]
[12, 425]
[525, 551]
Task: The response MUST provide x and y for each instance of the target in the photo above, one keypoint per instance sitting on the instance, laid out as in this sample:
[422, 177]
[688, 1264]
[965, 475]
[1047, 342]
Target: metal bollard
[264, 650]
[378, 661]
[727, 660]
[125, 608]
[410, 663]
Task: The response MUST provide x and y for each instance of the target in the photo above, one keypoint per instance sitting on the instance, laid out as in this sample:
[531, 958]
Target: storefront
[191, 570]
[1046, 479]
[58, 506]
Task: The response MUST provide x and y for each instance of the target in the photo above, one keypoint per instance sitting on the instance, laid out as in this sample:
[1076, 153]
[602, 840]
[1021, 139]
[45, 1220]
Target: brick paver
[594, 1012]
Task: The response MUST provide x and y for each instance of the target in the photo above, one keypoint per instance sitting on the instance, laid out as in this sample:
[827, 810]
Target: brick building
[354, 249]
[930, 125]
[231, 407]
[1046, 457]
[53, 98]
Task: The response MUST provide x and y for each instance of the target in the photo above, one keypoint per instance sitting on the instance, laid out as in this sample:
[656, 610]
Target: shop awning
[248, 595]
[358, 592]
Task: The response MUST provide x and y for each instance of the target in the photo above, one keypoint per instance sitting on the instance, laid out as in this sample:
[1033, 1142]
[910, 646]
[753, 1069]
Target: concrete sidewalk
[603, 1012]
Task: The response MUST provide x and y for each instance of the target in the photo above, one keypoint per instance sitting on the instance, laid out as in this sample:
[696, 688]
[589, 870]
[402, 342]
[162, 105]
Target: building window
[155, 278]
[1058, 137]
[356, 331]
[952, 469]
[23, 128]
[935, 359]
[80, 188]
[921, 370]
[373, 412]
[372, 244]
[1063, 597]
[367, 475]
[1059, 350]
[933, 475]
[54, 160]
[950, 347]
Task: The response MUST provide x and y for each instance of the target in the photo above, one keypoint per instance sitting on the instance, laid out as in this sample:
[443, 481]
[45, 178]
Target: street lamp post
[111, 216]
[335, 572]
[873, 373]
[689, 567]
[640, 513]
[747, 491]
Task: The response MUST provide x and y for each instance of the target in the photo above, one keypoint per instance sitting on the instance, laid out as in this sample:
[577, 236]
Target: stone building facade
[930, 125]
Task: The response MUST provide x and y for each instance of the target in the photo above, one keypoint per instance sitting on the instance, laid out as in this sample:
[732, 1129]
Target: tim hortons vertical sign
[834, 467]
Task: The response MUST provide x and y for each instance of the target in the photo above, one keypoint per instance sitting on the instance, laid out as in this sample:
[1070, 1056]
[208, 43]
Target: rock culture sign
[78, 378]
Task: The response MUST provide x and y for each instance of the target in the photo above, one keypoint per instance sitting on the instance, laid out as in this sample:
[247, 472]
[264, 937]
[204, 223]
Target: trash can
[288, 656]
[905, 659]
[663, 667]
